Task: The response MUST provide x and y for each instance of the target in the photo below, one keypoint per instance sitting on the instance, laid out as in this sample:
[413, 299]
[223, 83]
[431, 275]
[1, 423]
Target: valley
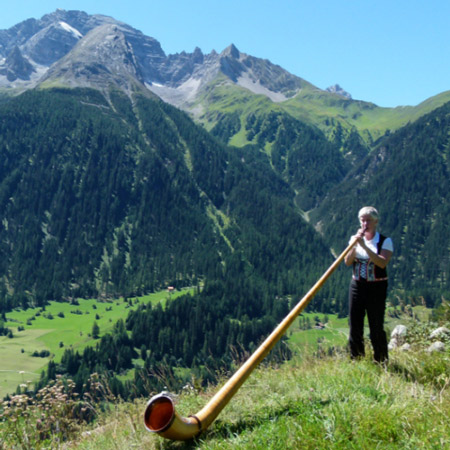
[56, 327]
[124, 170]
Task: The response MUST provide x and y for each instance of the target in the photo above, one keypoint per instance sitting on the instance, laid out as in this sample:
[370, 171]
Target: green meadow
[55, 328]
[333, 332]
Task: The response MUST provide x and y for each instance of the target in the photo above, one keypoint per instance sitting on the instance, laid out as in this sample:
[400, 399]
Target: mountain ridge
[103, 57]
[186, 80]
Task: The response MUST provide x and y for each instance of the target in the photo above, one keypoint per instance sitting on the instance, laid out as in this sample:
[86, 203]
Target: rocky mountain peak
[16, 66]
[102, 57]
[336, 89]
[231, 51]
[51, 43]
[76, 48]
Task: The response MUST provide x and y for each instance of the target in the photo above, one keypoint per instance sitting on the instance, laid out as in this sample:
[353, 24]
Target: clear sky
[391, 53]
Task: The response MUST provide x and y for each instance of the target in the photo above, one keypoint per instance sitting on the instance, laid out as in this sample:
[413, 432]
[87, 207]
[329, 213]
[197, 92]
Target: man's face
[368, 223]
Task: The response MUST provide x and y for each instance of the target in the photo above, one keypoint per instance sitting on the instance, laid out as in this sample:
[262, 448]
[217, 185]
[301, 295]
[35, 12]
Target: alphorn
[160, 416]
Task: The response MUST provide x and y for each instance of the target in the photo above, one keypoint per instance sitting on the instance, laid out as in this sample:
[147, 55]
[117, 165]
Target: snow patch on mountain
[65, 26]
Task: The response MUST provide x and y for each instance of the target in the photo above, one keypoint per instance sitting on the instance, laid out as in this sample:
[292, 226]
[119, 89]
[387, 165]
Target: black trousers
[368, 297]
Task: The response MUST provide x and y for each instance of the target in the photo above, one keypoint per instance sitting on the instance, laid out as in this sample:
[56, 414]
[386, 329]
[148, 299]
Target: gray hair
[368, 210]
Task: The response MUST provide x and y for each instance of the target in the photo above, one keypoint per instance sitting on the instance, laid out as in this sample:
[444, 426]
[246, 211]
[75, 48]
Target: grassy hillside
[322, 109]
[313, 403]
[313, 106]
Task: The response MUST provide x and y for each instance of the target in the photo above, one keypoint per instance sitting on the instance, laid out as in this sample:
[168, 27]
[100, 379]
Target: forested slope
[108, 197]
[104, 196]
[406, 177]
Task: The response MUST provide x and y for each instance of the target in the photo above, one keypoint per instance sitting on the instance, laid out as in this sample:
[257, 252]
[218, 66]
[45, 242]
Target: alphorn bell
[160, 416]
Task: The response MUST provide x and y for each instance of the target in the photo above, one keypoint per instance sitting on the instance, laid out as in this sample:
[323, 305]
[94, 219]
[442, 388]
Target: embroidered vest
[368, 271]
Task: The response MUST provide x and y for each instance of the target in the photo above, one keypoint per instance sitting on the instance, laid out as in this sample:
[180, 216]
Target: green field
[334, 332]
[48, 330]
[59, 326]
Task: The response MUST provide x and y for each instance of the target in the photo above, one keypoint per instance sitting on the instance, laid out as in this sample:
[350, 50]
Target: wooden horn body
[160, 416]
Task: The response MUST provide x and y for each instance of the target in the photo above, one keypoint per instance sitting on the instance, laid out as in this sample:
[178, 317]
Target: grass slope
[320, 108]
[313, 403]
[313, 106]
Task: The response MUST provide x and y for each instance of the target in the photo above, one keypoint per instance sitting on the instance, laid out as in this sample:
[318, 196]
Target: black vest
[373, 272]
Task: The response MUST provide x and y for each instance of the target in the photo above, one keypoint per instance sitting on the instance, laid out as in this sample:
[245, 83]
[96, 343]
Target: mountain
[118, 194]
[56, 49]
[66, 37]
[45, 42]
[336, 89]
[307, 141]
[102, 58]
[124, 171]
[253, 74]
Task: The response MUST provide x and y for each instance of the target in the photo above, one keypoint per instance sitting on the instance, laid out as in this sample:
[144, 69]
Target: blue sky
[391, 53]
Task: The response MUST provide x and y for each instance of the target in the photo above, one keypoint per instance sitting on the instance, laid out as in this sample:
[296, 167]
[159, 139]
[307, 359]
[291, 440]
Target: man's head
[368, 217]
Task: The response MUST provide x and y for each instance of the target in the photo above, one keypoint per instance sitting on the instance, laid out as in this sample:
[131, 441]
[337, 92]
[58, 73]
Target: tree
[95, 330]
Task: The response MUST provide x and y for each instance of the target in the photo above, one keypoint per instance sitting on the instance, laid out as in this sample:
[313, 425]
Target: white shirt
[372, 244]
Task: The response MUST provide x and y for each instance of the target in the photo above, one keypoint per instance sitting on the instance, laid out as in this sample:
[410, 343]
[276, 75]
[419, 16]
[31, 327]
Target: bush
[41, 354]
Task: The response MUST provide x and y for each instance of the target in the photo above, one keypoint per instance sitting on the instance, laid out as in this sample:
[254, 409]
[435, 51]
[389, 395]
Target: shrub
[41, 354]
